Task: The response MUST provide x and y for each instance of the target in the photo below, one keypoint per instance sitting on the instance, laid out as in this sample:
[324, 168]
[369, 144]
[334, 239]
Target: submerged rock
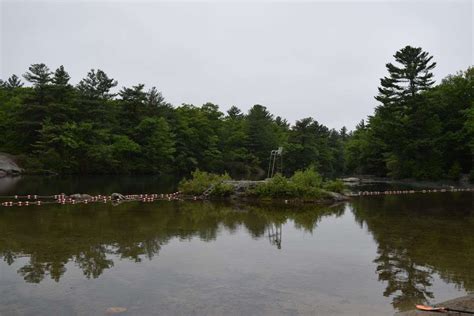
[115, 310]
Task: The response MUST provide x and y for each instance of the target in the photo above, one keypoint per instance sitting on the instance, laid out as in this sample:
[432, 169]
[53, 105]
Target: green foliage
[454, 172]
[334, 186]
[200, 181]
[222, 190]
[307, 178]
[306, 184]
[276, 187]
[410, 77]
[418, 131]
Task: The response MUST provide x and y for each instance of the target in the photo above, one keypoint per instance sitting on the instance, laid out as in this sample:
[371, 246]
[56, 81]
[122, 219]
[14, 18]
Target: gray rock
[461, 303]
[337, 197]
[8, 166]
[351, 179]
[117, 197]
[80, 197]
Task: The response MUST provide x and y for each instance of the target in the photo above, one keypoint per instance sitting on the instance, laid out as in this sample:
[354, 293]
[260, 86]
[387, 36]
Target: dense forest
[418, 130]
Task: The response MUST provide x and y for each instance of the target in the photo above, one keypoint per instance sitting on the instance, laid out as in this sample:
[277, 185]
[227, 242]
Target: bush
[303, 184]
[201, 181]
[334, 186]
[222, 190]
[471, 176]
[454, 172]
[307, 183]
[307, 178]
[276, 187]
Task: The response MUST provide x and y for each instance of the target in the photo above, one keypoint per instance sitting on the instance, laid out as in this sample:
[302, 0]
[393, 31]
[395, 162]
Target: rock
[115, 310]
[80, 197]
[117, 197]
[8, 166]
[462, 303]
[351, 179]
[337, 197]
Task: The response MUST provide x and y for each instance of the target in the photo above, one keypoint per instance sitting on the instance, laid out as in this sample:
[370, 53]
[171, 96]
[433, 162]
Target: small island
[303, 186]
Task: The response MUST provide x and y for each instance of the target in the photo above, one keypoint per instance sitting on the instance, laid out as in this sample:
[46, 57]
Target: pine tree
[13, 82]
[412, 76]
[39, 75]
[154, 98]
[97, 85]
[61, 77]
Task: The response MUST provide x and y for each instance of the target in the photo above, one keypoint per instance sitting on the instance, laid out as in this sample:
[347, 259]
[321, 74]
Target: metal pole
[270, 164]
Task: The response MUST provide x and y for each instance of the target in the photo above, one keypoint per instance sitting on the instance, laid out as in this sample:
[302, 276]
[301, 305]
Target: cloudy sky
[300, 59]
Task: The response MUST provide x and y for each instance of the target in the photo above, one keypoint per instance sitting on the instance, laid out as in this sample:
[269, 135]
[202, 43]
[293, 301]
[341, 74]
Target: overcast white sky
[319, 59]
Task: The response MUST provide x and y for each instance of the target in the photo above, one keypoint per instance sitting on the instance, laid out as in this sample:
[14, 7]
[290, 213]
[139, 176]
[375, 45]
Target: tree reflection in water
[92, 236]
[417, 236]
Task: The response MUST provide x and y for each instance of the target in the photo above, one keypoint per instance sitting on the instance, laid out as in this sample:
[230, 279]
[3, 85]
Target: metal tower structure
[276, 161]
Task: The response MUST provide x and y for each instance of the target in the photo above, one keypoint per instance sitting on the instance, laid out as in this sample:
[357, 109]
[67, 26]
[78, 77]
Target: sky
[299, 59]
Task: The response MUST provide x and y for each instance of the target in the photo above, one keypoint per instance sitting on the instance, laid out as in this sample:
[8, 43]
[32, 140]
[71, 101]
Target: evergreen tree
[260, 134]
[13, 82]
[412, 75]
[39, 75]
[97, 85]
[61, 77]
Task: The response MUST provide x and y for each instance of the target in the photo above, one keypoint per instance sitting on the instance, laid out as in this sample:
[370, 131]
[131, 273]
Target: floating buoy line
[117, 198]
[398, 192]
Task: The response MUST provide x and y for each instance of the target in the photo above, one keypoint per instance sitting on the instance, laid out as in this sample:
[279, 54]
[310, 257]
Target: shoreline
[462, 303]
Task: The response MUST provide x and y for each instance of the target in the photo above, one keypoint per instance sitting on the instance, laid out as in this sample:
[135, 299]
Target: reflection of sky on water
[209, 259]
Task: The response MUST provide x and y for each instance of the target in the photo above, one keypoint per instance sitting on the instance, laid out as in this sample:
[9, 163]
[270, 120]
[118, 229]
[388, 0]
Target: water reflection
[92, 235]
[418, 239]
[418, 236]
[274, 235]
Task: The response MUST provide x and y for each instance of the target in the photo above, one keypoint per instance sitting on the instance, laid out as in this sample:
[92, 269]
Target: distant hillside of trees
[417, 131]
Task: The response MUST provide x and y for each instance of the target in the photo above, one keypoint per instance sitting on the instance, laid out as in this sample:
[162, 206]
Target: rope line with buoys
[116, 198]
[398, 192]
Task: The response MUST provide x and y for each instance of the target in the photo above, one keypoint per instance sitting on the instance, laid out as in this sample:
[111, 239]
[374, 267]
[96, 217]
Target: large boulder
[8, 166]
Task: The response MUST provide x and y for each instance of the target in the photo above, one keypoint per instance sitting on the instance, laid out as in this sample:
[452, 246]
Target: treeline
[86, 128]
[418, 130]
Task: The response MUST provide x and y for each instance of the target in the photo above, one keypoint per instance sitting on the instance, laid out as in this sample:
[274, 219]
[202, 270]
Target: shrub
[276, 187]
[222, 190]
[303, 184]
[307, 183]
[307, 178]
[334, 186]
[454, 172]
[201, 181]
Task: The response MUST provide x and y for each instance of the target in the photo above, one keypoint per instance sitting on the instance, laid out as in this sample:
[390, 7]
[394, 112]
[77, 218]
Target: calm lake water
[374, 255]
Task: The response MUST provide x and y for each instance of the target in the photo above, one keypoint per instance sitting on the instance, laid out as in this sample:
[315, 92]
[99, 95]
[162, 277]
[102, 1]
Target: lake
[373, 255]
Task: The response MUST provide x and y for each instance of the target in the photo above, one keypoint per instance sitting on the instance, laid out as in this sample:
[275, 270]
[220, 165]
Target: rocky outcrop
[8, 166]
[461, 303]
[337, 197]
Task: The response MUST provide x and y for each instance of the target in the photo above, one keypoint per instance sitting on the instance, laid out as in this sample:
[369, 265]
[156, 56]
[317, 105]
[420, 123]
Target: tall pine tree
[412, 75]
